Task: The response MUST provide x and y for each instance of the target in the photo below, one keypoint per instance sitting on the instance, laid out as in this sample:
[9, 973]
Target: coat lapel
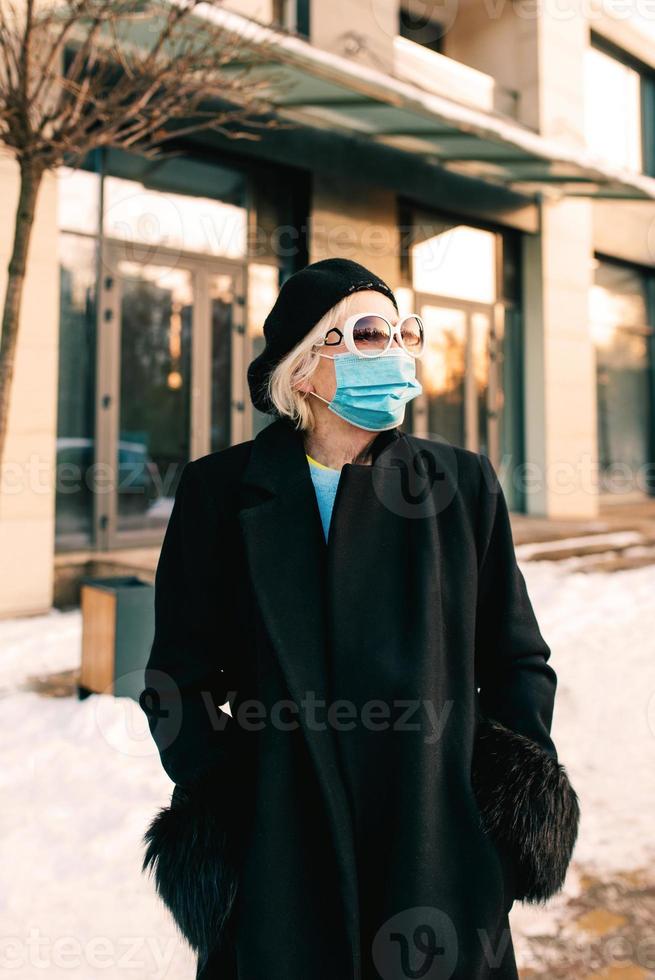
[287, 553]
[285, 547]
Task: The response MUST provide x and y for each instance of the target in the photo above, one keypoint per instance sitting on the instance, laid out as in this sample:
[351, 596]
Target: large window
[465, 279]
[620, 322]
[458, 260]
[618, 99]
[184, 204]
[151, 258]
[168, 270]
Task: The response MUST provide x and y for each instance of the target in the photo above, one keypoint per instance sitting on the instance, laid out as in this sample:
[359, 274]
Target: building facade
[496, 167]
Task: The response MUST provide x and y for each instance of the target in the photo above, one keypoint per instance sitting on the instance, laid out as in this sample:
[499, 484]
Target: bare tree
[76, 75]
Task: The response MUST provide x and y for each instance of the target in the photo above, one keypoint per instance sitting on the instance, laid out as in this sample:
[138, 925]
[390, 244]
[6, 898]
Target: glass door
[442, 371]
[154, 406]
[459, 374]
[166, 393]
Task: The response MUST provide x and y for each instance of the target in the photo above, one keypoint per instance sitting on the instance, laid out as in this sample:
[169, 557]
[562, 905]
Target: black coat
[389, 836]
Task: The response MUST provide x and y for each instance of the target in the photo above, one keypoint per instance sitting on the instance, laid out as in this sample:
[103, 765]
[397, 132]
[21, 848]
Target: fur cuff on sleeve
[190, 855]
[527, 805]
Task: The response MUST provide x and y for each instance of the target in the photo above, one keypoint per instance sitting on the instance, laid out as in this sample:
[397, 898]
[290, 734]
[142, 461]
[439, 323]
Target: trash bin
[118, 625]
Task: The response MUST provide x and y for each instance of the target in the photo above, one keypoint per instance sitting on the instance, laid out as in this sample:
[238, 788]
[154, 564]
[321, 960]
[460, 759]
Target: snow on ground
[600, 628]
[80, 781]
[601, 631]
[617, 539]
[41, 644]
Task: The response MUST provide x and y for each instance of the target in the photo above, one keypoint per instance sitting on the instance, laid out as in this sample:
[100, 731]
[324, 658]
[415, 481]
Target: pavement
[606, 932]
[622, 536]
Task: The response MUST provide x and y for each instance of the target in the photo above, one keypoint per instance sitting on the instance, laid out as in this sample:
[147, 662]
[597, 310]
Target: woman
[385, 785]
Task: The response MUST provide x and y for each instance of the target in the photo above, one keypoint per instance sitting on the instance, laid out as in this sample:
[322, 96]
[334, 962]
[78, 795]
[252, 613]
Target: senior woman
[383, 785]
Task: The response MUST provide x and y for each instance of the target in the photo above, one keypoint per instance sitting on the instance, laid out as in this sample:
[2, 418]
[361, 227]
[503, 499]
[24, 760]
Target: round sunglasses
[371, 334]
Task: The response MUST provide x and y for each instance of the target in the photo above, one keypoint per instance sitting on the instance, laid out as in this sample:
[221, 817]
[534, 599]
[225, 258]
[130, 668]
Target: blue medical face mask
[372, 392]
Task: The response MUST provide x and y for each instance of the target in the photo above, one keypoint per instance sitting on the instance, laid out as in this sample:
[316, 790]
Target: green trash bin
[118, 626]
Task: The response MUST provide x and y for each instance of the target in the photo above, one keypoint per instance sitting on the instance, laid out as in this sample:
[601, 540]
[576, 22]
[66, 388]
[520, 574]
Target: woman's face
[323, 380]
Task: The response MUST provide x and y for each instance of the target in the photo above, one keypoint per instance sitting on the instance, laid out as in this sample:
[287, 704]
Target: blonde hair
[299, 365]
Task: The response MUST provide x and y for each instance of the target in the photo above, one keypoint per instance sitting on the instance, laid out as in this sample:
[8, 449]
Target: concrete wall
[373, 22]
[358, 222]
[261, 10]
[27, 500]
[487, 37]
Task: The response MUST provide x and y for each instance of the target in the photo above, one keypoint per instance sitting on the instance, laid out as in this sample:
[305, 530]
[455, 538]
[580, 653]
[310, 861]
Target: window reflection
[618, 296]
[78, 200]
[613, 110]
[458, 261]
[221, 298]
[618, 324]
[155, 374]
[135, 213]
[443, 371]
[263, 286]
[480, 331]
[76, 391]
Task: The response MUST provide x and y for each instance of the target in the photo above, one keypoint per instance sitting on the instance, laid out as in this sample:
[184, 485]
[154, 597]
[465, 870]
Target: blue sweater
[325, 482]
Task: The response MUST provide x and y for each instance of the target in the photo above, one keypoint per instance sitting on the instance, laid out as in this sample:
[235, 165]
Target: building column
[560, 382]
[560, 376]
[27, 491]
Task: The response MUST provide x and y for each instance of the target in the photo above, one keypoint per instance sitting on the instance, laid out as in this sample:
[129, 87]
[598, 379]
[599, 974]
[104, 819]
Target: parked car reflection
[142, 490]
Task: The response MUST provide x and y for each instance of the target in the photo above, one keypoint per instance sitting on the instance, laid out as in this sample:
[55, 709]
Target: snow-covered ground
[80, 780]
[601, 630]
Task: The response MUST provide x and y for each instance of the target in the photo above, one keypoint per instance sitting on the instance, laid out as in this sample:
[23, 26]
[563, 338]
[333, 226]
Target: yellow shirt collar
[316, 463]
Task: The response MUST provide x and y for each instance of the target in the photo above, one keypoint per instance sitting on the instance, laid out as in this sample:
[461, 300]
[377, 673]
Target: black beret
[304, 298]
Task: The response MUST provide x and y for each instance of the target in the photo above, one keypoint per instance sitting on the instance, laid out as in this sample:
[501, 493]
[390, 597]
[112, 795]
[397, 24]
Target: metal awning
[325, 90]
